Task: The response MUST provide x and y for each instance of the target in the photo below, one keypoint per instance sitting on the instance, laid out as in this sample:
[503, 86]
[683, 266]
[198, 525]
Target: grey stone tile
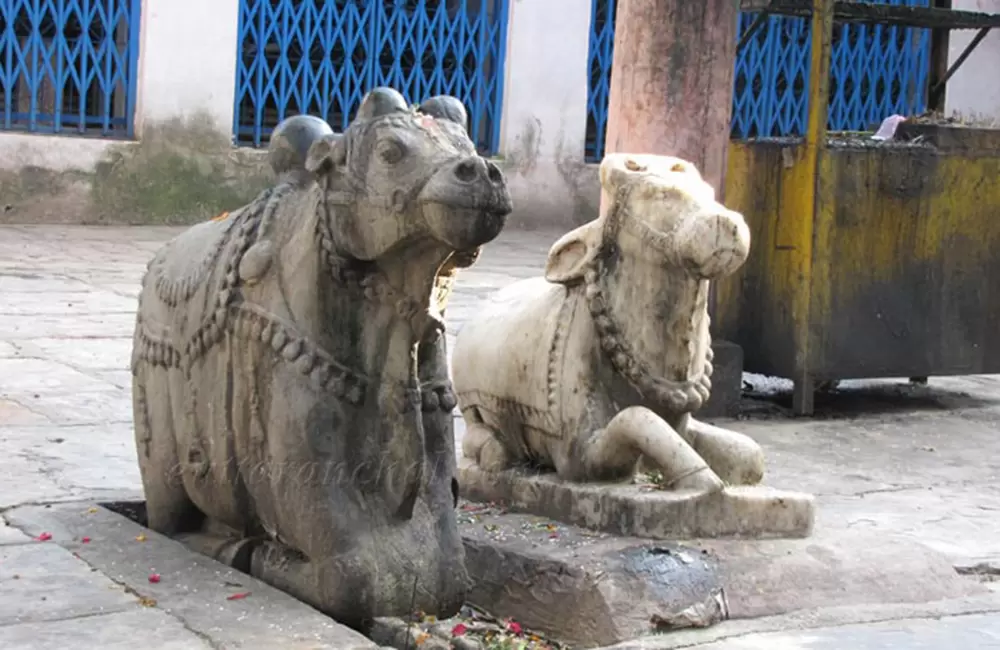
[78, 458]
[42, 581]
[11, 535]
[15, 414]
[36, 376]
[86, 354]
[15, 327]
[90, 302]
[140, 627]
[90, 407]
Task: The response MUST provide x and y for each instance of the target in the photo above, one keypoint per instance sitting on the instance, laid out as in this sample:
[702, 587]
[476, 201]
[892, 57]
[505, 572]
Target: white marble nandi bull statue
[601, 363]
[291, 396]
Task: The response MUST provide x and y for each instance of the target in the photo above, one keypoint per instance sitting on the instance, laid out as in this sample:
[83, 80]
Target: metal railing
[69, 66]
[321, 56]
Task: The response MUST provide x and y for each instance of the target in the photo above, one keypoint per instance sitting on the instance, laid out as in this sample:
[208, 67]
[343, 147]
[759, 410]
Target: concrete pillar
[544, 124]
[672, 81]
[974, 91]
[187, 60]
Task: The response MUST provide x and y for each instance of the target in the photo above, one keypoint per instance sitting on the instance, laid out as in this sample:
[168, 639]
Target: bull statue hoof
[291, 393]
[570, 383]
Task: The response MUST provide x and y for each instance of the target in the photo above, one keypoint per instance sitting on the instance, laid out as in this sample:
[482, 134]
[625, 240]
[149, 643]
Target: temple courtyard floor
[889, 463]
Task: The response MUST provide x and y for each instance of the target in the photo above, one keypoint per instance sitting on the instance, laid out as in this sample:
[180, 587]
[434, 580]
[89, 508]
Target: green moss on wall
[178, 172]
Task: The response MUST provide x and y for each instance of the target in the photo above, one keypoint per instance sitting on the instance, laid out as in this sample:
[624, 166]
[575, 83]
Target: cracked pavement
[922, 466]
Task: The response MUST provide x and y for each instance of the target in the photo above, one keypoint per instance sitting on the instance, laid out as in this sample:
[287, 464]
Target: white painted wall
[975, 88]
[544, 124]
[187, 60]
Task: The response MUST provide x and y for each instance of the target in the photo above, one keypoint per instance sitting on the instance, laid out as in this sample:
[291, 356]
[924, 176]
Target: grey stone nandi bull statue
[291, 395]
[600, 364]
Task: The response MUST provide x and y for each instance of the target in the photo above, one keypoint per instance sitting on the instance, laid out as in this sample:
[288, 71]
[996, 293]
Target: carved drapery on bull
[600, 364]
[291, 392]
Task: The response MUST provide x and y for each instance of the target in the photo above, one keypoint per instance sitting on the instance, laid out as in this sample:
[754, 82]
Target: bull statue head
[651, 256]
[408, 174]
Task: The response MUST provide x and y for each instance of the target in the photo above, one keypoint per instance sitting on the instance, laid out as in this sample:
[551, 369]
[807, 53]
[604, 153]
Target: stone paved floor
[922, 466]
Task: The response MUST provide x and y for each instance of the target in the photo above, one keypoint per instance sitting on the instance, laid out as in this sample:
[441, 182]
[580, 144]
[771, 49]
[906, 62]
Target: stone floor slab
[18, 328]
[127, 630]
[91, 302]
[41, 581]
[193, 588]
[36, 283]
[37, 376]
[90, 407]
[23, 480]
[90, 354]
[974, 632]
[11, 535]
[15, 414]
[66, 452]
[624, 509]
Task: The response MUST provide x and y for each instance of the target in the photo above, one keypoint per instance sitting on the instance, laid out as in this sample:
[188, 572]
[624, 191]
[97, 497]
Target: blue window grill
[876, 71]
[69, 66]
[321, 56]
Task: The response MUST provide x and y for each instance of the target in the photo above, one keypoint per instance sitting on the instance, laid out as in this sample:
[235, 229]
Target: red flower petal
[44, 537]
[154, 578]
[85, 540]
[514, 627]
[459, 630]
[238, 596]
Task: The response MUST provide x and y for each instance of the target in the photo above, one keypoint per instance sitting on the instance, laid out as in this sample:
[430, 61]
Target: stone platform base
[592, 589]
[621, 509]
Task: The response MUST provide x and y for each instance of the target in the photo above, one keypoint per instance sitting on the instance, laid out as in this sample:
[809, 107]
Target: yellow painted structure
[867, 259]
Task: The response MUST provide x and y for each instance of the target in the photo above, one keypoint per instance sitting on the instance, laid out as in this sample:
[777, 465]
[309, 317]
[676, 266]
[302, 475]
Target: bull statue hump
[593, 371]
[291, 393]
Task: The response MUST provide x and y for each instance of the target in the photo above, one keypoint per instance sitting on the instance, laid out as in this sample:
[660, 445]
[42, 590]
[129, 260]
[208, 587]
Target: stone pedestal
[644, 511]
[727, 382]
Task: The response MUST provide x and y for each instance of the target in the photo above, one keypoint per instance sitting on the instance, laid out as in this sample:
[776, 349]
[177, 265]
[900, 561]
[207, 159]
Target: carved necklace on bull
[678, 396]
[372, 284]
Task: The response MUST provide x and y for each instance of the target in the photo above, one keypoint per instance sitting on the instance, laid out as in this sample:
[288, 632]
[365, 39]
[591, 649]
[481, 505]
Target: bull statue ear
[575, 251]
[381, 101]
[326, 154]
[446, 107]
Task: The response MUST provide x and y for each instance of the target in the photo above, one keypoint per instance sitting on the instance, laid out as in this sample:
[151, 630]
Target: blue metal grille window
[602, 45]
[321, 56]
[69, 66]
[876, 71]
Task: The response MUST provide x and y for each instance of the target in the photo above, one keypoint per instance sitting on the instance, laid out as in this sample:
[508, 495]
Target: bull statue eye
[391, 153]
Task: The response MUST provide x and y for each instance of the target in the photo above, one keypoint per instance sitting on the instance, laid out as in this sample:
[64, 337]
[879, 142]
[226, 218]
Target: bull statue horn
[446, 107]
[288, 149]
[381, 101]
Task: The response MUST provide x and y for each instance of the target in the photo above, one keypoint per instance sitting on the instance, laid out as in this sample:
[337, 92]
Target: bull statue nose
[476, 169]
[715, 245]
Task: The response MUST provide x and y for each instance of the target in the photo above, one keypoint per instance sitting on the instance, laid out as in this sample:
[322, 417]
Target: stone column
[187, 61]
[672, 81]
[672, 94]
[544, 125]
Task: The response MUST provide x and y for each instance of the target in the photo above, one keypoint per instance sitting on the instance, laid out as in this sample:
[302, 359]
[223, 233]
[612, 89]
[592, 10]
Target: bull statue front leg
[637, 432]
